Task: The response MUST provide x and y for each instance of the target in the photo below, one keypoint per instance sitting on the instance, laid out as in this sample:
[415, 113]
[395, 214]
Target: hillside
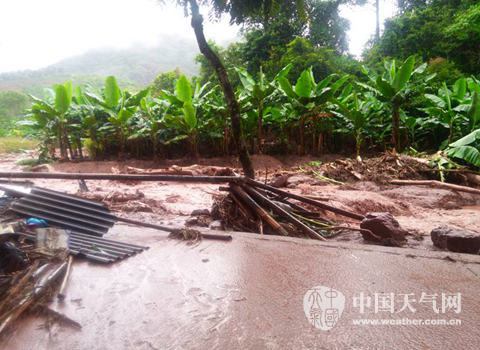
[136, 65]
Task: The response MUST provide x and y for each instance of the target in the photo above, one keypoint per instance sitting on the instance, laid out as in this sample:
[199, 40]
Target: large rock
[456, 240]
[385, 228]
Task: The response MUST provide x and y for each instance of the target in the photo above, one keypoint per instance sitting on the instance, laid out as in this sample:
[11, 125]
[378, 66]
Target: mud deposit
[419, 209]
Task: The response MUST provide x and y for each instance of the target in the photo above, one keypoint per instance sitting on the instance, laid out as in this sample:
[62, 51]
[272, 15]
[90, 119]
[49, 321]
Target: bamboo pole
[61, 292]
[283, 213]
[262, 213]
[435, 183]
[306, 200]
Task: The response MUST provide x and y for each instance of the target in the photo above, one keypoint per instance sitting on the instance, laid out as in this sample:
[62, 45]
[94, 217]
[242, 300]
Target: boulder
[456, 240]
[385, 229]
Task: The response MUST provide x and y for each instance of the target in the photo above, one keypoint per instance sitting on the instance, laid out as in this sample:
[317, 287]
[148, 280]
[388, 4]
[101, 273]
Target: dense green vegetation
[12, 106]
[434, 28]
[303, 115]
[295, 90]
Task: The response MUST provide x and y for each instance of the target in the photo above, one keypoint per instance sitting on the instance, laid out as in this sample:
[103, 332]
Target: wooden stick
[435, 183]
[61, 292]
[246, 212]
[262, 213]
[260, 226]
[283, 213]
[306, 200]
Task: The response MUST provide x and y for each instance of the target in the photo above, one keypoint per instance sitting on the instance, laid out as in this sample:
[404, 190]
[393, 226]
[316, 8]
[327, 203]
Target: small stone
[216, 225]
[191, 222]
[200, 212]
[279, 181]
[456, 240]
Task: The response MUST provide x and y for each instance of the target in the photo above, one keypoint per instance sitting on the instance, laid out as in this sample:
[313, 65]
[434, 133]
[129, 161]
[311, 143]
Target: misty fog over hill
[136, 65]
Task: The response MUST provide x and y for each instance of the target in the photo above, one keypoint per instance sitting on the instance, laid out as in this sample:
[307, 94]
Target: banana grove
[399, 106]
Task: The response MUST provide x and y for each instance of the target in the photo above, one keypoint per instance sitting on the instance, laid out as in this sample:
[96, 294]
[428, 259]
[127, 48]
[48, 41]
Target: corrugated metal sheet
[62, 210]
[86, 221]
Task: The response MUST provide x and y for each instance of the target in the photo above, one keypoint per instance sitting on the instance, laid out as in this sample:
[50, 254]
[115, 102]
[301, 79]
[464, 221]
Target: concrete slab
[248, 293]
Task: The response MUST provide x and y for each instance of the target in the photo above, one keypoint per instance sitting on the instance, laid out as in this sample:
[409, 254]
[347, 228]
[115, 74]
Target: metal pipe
[119, 177]
[61, 292]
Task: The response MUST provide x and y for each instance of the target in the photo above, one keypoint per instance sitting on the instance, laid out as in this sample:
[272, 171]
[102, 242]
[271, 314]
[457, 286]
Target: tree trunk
[320, 143]
[358, 143]
[155, 147]
[377, 26]
[194, 145]
[60, 142]
[79, 148]
[232, 103]
[260, 128]
[301, 151]
[396, 127]
[63, 143]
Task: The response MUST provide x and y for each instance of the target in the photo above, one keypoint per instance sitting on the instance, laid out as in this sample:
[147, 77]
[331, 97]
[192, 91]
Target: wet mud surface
[248, 293]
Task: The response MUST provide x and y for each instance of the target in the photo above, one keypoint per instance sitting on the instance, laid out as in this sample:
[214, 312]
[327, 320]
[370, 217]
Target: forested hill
[137, 65]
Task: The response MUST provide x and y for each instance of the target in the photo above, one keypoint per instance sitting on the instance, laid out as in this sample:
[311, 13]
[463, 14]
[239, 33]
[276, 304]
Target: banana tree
[473, 112]
[50, 116]
[120, 107]
[254, 96]
[354, 109]
[448, 106]
[185, 105]
[392, 87]
[307, 98]
[149, 121]
[466, 149]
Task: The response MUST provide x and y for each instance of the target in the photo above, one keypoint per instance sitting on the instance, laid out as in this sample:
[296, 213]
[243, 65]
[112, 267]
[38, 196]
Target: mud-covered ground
[419, 209]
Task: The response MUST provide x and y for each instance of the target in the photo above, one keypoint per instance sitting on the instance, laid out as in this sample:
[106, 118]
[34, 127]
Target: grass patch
[16, 144]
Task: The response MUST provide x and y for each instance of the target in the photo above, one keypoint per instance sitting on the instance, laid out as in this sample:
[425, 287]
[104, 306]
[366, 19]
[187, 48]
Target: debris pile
[31, 270]
[378, 169]
[40, 232]
[84, 221]
[256, 207]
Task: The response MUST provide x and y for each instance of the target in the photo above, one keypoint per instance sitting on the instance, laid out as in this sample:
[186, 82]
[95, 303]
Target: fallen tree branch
[435, 183]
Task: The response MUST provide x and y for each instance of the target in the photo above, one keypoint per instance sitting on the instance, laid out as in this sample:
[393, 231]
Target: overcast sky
[37, 33]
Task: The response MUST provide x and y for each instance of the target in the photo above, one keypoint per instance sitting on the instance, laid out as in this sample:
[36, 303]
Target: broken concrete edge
[407, 252]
